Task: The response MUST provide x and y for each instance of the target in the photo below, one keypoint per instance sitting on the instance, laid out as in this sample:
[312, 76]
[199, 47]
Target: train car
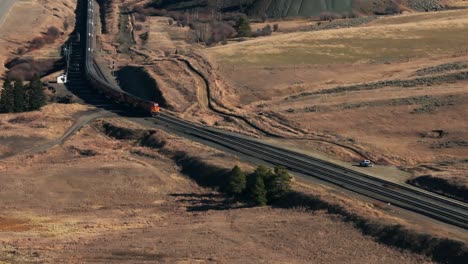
[121, 97]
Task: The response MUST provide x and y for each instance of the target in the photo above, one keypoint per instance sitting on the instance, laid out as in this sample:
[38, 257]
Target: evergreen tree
[237, 181]
[278, 184]
[7, 98]
[243, 27]
[258, 192]
[19, 97]
[37, 98]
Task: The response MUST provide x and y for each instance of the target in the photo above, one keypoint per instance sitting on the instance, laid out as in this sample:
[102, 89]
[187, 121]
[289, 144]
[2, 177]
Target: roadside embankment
[210, 172]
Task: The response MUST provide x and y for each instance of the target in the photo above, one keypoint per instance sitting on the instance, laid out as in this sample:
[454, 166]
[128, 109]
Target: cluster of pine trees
[263, 186]
[17, 97]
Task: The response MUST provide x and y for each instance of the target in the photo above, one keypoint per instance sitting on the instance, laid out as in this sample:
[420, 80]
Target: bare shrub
[53, 32]
[138, 27]
[36, 43]
[49, 37]
[275, 28]
[265, 31]
[25, 69]
[394, 8]
[65, 25]
[328, 16]
[221, 31]
[20, 51]
[144, 36]
[140, 17]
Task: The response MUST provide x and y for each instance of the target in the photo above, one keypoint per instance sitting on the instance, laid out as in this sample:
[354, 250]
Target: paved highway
[404, 196]
[5, 6]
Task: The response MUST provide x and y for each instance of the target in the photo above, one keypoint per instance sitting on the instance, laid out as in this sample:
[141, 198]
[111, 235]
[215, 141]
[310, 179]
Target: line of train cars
[104, 87]
[121, 97]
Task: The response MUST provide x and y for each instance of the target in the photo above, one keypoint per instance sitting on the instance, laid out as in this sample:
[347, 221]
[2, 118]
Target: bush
[275, 28]
[25, 69]
[257, 192]
[393, 9]
[7, 103]
[328, 16]
[278, 184]
[243, 27]
[140, 17]
[237, 182]
[48, 38]
[21, 51]
[144, 36]
[266, 31]
[138, 27]
[37, 43]
[18, 98]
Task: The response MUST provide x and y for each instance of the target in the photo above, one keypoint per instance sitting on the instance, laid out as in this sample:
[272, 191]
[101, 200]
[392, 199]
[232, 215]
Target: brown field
[95, 199]
[125, 203]
[27, 20]
[289, 74]
[20, 132]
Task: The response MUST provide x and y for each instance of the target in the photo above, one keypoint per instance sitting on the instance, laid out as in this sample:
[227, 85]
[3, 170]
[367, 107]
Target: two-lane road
[5, 6]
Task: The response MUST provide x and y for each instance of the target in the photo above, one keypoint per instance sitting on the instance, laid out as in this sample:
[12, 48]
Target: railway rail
[432, 205]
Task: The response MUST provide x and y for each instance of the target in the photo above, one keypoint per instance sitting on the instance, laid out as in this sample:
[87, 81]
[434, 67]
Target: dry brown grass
[28, 20]
[262, 73]
[127, 207]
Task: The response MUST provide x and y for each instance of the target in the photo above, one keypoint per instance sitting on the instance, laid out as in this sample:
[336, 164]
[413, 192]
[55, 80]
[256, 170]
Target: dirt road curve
[82, 121]
[5, 6]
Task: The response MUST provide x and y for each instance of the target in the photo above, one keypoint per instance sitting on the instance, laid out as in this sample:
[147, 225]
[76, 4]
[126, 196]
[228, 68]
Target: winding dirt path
[205, 102]
[82, 121]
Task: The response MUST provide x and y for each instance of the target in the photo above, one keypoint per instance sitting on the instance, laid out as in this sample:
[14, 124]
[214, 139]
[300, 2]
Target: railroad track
[431, 205]
[422, 202]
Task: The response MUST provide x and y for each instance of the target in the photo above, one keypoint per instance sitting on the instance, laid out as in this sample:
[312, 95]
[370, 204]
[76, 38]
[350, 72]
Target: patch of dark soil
[136, 81]
[441, 186]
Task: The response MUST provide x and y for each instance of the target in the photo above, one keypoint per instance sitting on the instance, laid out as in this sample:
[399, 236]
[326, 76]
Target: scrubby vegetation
[441, 186]
[207, 27]
[16, 97]
[263, 186]
[267, 186]
[439, 249]
[48, 37]
[26, 68]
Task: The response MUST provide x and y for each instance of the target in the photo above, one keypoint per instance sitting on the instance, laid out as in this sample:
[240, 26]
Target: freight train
[99, 82]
